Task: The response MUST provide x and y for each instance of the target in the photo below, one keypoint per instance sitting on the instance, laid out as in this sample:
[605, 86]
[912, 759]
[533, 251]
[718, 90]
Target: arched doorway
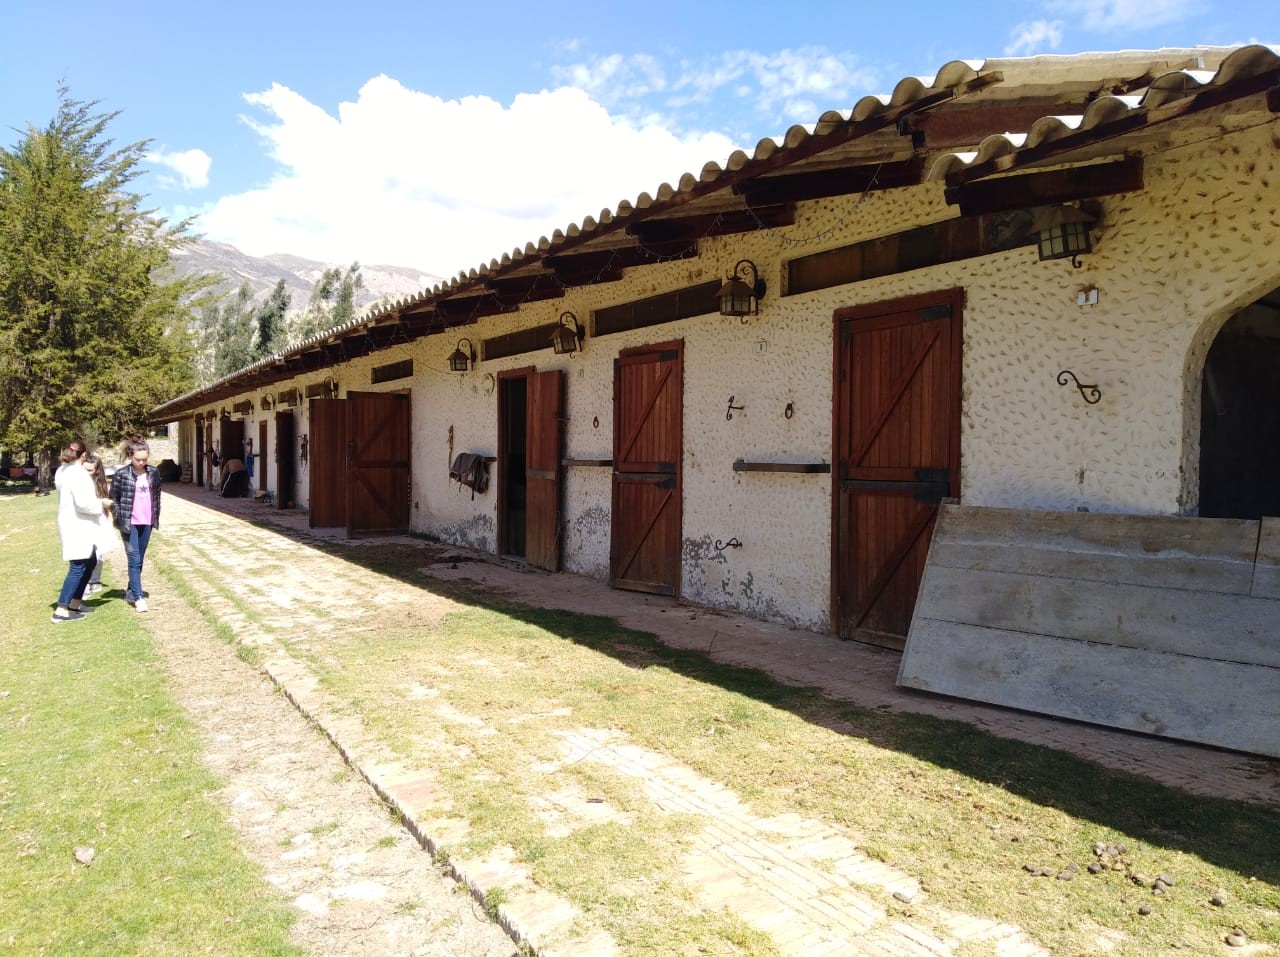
[1240, 415]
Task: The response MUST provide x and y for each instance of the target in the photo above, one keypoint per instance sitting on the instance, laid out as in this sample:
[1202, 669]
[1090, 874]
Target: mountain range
[202, 257]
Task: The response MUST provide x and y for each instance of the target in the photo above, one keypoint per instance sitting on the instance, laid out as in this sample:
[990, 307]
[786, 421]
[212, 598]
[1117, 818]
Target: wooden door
[326, 463]
[897, 438]
[285, 452]
[260, 466]
[231, 438]
[377, 462]
[200, 456]
[648, 411]
[543, 450]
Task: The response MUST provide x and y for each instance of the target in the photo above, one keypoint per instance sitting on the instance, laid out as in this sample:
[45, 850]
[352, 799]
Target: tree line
[96, 326]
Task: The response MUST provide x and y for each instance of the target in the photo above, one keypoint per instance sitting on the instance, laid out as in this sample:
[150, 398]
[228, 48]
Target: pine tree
[332, 303]
[93, 324]
[233, 349]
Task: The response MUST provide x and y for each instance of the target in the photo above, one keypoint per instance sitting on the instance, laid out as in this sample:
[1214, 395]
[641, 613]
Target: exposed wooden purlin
[462, 311]
[969, 126]
[692, 228]
[524, 289]
[796, 187]
[578, 269]
[1055, 186]
[1132, 123]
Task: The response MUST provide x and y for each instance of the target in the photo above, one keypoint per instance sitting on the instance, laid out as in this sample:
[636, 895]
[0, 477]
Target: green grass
[960, 809]
[95, 752]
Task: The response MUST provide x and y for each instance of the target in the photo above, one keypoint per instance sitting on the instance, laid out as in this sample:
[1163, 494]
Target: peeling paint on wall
[480, 533]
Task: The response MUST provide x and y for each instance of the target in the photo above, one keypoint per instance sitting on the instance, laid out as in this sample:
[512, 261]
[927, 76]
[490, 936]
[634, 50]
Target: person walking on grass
[108, 540]
[135, 494]
[79, 508]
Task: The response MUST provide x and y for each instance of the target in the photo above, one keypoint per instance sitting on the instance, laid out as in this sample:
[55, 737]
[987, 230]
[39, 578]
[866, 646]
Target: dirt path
[361, 884]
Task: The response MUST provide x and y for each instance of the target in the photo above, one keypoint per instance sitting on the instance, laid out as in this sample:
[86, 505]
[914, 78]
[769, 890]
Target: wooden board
[326, 463]
[543, 443]
[1164, 625]
[378, 462]
[644, 548]
[897, 440]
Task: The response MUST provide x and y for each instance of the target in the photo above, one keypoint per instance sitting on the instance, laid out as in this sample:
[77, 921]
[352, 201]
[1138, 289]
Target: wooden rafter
[1040, 189]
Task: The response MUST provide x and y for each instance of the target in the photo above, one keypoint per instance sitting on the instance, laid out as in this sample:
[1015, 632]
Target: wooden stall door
[326, 463]
[285, 452]
[377, 462]
[644, 551]
[200, 456]
[897, 435]
[230, 440]
[260, 466]
[543, 451]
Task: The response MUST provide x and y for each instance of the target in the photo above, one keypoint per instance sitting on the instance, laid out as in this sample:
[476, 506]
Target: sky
[439, 136]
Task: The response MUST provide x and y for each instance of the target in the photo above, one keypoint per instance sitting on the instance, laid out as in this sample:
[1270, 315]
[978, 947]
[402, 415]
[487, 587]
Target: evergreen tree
[270, 318]
[332, 303]
[233, 349]
[93, 324]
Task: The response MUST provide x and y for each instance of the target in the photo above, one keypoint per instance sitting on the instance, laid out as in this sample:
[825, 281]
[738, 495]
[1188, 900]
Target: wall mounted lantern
[460, 361]
[1062, 232]
[742, 291]
[267, 403]
[568, 335]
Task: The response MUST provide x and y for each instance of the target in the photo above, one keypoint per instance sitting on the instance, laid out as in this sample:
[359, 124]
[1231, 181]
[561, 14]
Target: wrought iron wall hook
[731, 543]
[728, 413]
[1090, 393]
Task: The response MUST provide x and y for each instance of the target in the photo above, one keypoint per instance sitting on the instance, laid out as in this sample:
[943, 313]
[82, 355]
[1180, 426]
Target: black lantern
[568, 335]
[1062, 232]
[460, 361]
[742, 291]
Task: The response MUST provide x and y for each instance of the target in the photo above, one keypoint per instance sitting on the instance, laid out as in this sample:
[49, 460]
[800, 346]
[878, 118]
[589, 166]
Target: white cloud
[192, 167]
[783, 86]
[1035, 36]
[403, 177]
[1109, 16]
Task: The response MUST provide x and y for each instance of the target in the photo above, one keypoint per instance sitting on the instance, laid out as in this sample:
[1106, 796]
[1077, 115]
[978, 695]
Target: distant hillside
[202, 257]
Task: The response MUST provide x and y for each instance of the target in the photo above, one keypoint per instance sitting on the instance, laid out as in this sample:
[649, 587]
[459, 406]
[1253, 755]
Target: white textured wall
[1172, 263]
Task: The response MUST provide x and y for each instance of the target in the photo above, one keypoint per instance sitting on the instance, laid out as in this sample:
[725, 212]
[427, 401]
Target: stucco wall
[1171, 264]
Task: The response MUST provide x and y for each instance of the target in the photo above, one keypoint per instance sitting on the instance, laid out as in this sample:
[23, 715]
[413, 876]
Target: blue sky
[439, 136]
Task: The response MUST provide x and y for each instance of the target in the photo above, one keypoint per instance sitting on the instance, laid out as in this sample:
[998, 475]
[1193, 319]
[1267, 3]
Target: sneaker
[140, 605]
[84, 609]
[71, 615]
[94, 588]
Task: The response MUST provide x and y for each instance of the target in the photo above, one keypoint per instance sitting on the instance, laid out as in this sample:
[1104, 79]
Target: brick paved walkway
[798, 880]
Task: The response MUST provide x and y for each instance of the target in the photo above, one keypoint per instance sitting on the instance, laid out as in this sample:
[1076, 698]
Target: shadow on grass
[1236, 835]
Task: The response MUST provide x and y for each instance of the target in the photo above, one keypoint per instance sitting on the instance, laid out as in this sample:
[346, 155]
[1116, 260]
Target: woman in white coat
[78, 509]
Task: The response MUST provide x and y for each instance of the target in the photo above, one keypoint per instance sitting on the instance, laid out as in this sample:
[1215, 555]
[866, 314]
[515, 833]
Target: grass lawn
[966, 812]
[96, 754]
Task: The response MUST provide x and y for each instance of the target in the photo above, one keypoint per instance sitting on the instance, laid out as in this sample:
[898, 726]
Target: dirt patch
[361, 884]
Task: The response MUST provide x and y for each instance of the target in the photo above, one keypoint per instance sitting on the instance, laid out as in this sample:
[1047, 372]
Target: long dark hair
[99, 474]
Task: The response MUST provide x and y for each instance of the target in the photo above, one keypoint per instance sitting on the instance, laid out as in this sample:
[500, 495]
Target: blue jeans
[77, 579]
[135, 549]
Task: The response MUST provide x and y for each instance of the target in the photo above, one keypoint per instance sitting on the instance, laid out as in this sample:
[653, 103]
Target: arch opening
[1240, 415]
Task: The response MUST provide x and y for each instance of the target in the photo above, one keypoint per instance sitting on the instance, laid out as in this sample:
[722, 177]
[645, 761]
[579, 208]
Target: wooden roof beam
[821, 184]
[1043, 189]
[691, 228]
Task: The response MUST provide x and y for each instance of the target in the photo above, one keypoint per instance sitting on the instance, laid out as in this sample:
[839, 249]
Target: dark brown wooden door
[648, 412]
[543, 449]
[230, 440]
[201, 430]
[377, 462]
[327, 463]
[260, 466]
[897, 437]
[285, 451]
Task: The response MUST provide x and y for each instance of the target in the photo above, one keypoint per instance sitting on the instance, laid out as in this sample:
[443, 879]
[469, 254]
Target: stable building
[1039, 285]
